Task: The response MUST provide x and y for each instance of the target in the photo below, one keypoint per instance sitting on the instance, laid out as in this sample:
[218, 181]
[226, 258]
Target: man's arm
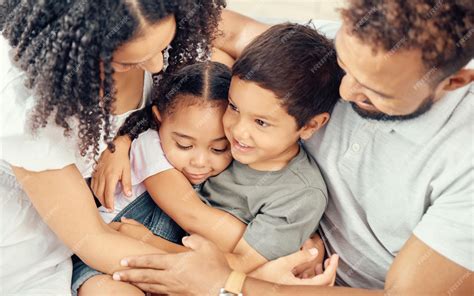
[236, 31]
[417, 270]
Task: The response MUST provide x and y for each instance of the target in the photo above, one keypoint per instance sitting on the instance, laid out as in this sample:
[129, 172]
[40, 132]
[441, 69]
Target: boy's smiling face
[261, 132]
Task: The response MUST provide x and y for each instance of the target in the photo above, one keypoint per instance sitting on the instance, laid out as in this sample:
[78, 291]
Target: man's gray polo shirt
[390, 180]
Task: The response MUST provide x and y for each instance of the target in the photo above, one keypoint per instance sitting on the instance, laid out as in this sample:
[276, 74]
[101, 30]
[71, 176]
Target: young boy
[283, 88]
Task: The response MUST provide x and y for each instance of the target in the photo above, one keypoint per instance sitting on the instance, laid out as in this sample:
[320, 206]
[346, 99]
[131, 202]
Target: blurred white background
[293, 10]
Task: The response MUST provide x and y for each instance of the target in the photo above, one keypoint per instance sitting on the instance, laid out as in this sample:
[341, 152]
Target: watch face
[223, 292]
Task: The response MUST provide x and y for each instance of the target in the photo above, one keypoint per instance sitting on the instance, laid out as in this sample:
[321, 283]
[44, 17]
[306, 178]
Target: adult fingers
[147, 276]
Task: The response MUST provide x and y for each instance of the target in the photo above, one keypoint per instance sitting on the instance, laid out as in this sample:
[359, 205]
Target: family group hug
[180, 148]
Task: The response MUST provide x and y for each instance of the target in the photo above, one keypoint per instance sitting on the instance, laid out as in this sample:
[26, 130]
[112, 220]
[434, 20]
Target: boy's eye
[233, 107]
[261, 122]
[183, 147]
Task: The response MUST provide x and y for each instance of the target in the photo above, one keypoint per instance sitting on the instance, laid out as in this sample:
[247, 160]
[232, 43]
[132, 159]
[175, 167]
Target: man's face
[384, 85]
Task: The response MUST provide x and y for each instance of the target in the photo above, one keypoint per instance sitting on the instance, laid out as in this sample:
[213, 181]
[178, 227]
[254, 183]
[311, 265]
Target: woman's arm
[65, 203]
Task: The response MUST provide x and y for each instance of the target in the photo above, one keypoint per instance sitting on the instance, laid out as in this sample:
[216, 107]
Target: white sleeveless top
[32, 259]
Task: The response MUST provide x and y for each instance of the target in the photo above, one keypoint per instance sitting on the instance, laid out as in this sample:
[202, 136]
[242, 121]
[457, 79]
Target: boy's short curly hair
[442, 30]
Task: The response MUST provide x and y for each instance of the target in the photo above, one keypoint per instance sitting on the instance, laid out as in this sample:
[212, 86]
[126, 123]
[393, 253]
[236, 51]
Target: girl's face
[193, 139]
[145, 51]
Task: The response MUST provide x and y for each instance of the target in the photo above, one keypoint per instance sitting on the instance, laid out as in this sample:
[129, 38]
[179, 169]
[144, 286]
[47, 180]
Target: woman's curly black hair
[204, 82]
[60, 44]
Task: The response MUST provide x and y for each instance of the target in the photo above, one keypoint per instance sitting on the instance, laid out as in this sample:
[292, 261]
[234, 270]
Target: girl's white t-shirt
[146, 159]
[32, 258]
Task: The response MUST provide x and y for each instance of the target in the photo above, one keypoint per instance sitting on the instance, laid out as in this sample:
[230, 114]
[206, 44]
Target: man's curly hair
[442, 30]
[60, 44]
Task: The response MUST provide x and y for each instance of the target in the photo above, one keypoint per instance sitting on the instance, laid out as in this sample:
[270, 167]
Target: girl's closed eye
[184, 147]
[220, 151]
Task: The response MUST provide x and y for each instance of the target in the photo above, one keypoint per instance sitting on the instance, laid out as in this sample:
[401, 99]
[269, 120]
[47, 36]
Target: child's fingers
[127, 181]
[129, 221]
[99, 191]
[110, 186]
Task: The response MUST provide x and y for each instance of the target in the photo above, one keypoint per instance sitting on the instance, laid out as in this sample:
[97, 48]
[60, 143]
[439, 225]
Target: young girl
[186, 133]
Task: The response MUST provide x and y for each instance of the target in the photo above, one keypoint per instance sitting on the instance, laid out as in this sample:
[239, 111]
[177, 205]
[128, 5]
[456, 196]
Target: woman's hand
[133, 229]
[280, 270]
[314, 267]
[112, 168]
[201, 271]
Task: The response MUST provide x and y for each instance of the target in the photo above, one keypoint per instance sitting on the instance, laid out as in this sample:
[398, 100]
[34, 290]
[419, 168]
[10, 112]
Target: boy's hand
[133, 229]
[111, 168]
[315, 267]
[280, 270]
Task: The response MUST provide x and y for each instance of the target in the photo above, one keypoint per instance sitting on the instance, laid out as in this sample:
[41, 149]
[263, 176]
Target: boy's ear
[156, 113]
[314, 125]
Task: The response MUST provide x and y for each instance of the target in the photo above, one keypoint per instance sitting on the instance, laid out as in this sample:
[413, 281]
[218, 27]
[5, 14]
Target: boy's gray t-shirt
[282, 208]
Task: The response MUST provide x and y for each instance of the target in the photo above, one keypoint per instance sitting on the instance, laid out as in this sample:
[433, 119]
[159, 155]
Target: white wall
[296, 10]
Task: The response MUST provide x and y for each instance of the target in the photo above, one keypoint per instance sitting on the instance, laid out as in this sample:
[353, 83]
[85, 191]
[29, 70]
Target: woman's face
[145, 51]
[193, 139]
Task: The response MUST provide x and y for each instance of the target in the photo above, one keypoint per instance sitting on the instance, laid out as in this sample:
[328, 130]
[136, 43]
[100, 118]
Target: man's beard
[377, 115]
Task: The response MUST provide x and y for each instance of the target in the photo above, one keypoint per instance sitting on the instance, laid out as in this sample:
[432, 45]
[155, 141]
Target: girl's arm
[173, 193]
[64, 202]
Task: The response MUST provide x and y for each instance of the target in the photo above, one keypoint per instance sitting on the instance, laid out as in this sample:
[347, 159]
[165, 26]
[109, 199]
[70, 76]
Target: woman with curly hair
[71, 72]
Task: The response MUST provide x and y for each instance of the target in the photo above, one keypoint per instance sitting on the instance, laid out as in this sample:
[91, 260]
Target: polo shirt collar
[424, 127]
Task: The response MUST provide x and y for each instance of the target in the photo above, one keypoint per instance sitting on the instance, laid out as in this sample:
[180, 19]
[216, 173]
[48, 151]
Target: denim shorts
[144, 210]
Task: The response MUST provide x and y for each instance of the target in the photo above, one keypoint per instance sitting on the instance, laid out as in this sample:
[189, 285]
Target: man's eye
[261, 123]
[183, 147]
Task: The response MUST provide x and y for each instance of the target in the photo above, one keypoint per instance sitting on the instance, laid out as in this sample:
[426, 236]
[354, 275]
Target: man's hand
[112, 168]
[179, 274]
[280, 270]
[133, 229]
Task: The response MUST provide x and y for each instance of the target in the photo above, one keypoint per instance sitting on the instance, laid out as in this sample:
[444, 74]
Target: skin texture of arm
[236, 31]
[64, 202]
[173, 193]
[417, 270]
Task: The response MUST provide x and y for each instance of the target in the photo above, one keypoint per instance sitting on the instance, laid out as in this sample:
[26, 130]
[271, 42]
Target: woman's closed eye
[233, 107]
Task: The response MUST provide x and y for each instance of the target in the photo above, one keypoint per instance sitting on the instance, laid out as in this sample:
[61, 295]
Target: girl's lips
[240, 147]
[197, 176]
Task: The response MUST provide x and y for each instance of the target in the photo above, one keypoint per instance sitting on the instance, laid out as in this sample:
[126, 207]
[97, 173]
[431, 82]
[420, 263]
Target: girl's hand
[310, 269]
[112, 168]
[280, 270]
[133, 229]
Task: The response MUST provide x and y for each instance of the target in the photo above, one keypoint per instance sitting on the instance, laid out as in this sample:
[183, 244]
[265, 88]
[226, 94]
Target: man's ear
[314, 125]
[459, 79]
[156, 113]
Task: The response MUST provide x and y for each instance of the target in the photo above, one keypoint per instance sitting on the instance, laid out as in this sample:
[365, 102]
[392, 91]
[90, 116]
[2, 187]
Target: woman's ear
[314, 125]
[156, 113]
[459, 79]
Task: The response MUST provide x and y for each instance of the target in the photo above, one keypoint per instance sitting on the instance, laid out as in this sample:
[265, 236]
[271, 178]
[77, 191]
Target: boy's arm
[175, 196]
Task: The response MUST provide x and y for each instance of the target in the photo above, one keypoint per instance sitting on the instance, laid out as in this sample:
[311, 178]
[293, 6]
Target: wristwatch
[233, 285]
